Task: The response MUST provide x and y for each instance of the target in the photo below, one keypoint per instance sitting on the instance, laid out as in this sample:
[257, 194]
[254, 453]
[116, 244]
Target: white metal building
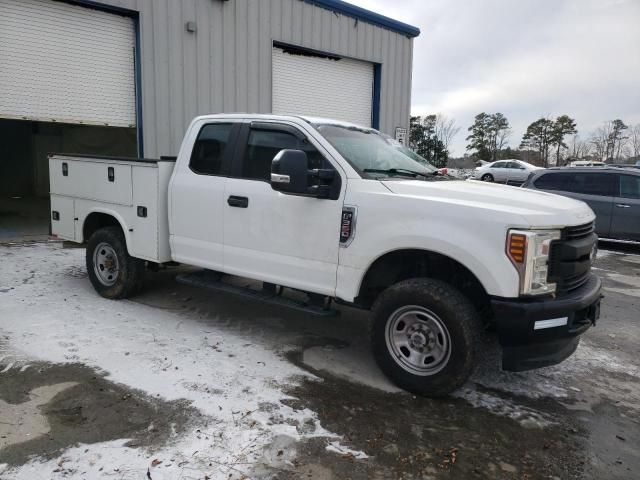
[125, 77]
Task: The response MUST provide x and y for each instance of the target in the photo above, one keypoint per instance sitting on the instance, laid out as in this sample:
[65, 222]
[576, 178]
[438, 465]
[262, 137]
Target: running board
[212, 281]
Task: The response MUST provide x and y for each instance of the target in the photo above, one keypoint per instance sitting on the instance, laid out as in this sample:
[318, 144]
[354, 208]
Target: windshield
[411, 154]
[371, 153]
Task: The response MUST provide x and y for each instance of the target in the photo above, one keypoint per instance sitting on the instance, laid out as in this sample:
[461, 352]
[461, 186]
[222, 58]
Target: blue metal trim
[367, 16]
[101, 6]
[377, 85]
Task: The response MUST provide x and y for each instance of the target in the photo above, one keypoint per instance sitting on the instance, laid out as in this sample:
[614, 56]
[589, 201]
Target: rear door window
[630, 186]
[587, 183]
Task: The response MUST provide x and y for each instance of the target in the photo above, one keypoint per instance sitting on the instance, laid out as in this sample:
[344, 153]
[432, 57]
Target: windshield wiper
[397, 171]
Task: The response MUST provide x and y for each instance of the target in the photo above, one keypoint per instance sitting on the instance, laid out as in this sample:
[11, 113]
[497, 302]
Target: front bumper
[537, 332]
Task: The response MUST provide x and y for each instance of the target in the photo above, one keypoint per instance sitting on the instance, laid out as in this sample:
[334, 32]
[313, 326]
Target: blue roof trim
[367, 16]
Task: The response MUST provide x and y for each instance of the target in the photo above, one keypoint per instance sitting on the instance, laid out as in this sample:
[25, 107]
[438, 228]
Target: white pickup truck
[337, 212]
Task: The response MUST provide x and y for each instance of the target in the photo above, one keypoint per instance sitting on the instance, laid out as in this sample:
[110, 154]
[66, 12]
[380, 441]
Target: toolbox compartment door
[102, 181]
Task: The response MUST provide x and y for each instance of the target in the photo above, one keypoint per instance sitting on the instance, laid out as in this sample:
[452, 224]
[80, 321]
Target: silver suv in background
[612, 193]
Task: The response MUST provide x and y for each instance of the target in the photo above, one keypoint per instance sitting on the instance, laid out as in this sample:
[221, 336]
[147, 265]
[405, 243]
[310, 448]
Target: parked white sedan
[515, 171]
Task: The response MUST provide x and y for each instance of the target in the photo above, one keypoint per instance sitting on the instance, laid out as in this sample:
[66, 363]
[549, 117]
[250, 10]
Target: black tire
[487, 177]
[129, 276]
[455, 313]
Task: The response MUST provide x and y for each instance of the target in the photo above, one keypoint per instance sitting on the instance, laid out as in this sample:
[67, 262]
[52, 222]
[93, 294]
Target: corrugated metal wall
[226, 65]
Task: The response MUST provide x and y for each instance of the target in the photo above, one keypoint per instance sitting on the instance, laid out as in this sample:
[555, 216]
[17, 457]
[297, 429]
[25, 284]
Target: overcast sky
[524, 58]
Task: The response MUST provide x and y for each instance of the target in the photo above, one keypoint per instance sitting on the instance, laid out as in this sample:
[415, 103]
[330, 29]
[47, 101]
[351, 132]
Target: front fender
[479, 246]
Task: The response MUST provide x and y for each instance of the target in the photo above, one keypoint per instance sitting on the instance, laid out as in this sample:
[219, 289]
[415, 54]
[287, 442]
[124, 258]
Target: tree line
[546, 141]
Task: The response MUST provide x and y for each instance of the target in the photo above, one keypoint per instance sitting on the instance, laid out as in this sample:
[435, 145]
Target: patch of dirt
[412, 437]
[89, 409]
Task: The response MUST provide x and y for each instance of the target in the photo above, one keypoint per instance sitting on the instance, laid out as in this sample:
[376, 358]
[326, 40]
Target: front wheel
[425, 333]
[487, 177]
[113, 272]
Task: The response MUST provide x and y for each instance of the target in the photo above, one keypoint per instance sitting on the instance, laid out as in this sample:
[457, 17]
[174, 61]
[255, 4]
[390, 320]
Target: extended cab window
[263, 145]
[629, 186]
[209, 149]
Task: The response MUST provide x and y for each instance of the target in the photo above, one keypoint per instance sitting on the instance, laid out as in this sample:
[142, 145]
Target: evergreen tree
[563, 126]
[423, 139]
[488, 136]
[539, 137]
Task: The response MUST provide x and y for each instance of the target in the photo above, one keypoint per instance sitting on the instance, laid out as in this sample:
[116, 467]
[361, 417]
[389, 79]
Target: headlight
[529, 250]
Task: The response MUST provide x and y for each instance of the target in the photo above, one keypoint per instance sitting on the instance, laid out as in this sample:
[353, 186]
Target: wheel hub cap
[105, 264]
[418, 340]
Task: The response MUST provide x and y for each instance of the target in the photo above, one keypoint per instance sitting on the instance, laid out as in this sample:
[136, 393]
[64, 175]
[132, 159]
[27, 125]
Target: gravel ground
[183, 383]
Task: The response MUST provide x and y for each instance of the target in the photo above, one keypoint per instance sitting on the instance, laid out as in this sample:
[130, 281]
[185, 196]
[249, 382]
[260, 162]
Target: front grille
[570, 258]
[581, 231]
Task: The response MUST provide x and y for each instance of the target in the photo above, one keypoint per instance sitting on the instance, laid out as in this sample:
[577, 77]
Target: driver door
[281, 238]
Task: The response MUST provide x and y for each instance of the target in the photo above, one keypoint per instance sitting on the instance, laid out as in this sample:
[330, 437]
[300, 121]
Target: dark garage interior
[24, 167]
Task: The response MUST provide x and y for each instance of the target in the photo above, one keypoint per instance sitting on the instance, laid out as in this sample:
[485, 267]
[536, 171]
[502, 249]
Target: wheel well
[96, 221]
[401, 265]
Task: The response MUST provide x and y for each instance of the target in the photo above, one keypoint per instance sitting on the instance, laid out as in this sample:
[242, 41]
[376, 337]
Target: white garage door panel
[65, 63]
[307, 85]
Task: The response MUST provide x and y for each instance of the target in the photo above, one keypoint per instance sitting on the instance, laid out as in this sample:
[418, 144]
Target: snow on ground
[50, 312]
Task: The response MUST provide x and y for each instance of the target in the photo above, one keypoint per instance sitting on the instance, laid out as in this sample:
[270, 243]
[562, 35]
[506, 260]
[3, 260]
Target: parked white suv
[515, 171]
[335, 211]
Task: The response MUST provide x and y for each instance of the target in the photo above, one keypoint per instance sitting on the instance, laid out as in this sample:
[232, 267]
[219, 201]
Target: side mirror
[290, 174]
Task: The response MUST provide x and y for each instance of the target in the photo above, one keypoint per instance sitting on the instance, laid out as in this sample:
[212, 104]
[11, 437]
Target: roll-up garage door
[66, 63]
[308, 84]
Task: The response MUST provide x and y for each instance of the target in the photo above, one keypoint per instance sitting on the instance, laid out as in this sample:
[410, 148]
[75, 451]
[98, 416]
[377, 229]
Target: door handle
[240, 202]
[622, 205]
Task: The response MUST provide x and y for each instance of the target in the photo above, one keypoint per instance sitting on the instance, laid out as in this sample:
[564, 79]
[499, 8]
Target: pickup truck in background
[333, 212]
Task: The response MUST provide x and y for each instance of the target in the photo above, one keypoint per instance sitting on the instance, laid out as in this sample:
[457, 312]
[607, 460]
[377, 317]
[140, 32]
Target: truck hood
[534, 208]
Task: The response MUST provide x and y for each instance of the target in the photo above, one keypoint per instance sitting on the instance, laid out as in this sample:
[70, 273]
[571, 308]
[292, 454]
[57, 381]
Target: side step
[212, 280]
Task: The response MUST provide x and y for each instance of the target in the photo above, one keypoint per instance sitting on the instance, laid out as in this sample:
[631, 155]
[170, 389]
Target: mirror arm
[320, 191]
[322, 173]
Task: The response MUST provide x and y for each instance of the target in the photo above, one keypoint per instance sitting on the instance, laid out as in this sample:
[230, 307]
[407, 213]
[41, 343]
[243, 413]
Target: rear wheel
[113, 272]
[487, 177]
[424, 337]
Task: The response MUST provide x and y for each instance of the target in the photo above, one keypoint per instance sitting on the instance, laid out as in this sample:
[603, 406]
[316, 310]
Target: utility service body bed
[85, 187]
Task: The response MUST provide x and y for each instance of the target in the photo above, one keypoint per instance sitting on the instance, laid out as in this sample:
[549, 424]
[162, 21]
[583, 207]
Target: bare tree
[579, 148]
[502, 137]
[446, 130]
[634, 141]
[601, 141]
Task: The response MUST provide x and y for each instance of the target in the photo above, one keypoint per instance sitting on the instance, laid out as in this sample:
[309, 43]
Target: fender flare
[112, 213]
